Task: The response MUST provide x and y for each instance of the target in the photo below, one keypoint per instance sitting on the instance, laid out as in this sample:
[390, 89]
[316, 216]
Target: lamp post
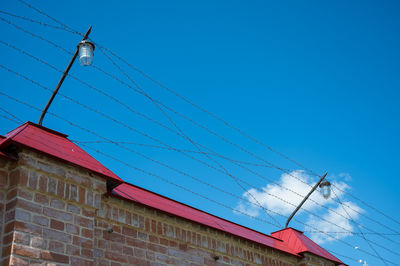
[85, 50]
[325, 190]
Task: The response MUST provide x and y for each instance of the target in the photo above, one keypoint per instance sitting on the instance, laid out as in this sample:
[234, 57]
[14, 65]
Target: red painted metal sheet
[301, 243]
[57, 145]
[151, 199]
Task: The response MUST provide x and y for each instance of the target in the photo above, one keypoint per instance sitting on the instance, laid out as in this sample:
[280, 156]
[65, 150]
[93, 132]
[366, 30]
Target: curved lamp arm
[304, 200]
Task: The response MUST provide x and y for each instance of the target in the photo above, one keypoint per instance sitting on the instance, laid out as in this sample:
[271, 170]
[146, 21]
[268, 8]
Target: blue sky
[317, 81]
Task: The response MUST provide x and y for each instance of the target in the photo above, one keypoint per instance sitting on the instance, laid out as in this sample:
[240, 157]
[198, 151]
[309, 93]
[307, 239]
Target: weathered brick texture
[56, 213]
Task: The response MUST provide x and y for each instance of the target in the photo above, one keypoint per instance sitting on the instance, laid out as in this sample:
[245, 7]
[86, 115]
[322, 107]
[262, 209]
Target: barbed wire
[177, 170]
[170, 109]
[16, 118]
[195, 193]
[38, 22]
[117, 121]
[369, 242]
[69, 29]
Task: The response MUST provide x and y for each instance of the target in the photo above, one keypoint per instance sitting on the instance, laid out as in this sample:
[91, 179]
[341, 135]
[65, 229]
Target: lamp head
[325, 189]
[86, 49]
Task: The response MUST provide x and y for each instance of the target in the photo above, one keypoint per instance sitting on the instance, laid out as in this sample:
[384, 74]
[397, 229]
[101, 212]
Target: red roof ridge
[301, 243]
[153, 200]
[55, 144]
[188, 206]
[19, 129]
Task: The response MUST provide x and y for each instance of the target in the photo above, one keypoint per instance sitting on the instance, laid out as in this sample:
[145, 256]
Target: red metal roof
[301, 243]
[151, 199]
[55, 144]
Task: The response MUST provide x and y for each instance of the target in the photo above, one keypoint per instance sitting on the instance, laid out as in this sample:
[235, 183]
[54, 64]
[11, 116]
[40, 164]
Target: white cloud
[290, 190]
[337, 223]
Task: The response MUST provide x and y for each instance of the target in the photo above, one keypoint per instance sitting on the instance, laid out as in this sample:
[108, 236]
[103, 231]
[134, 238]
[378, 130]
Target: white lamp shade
[86, 53]
[325, 189]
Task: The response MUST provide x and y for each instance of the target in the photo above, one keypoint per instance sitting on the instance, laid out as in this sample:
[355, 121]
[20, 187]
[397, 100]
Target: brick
[25, 194]
[73, 250]
[97, 201]
[128, 218]
[81, 194]
[142, 236]
[38, 242]
[56, 246]
[6, 251]
[136, 243]
[81, 262]
[55, 224]
[60, 189]
[28, 228]
[67, 191]
[22, 215]
[56, 235]
[45, 167]
[29, 206]
[127, 250]
[11, 205]
[89, 198]
[138, 261]
[19, 176]
[58, 204]
[164, 241]
[81, 221]
[8, 239]
[73, 177]
[87, 253]
[115, 256]
[25, 251]
[9, 216]
[73, 229]
[52, 186]
[153, 239]
[129, 232]
[9, 227]
[43, 183]
[73, 208]
[88, 213]
[73, 193]
[115, 246]
[59, 171]
[87, 233]
[121, 216]
[82, 242]
[40, 220]
[42, 199]
[21, 238]
[3, 178]
[51, 256]
[113, 236]
[98, 253]
[33, 180]
[157, 248]
[60, 215]
[16, 261]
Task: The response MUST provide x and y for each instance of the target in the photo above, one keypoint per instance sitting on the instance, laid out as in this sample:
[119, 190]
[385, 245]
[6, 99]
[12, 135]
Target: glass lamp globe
[86, 49]
[325, 189]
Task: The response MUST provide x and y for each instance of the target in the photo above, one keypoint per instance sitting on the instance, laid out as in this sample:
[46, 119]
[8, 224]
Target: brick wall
[59, 214]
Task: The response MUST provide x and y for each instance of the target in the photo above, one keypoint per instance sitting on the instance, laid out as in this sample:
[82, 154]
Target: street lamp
[325, 187]
[325, 191]
[85, 50]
